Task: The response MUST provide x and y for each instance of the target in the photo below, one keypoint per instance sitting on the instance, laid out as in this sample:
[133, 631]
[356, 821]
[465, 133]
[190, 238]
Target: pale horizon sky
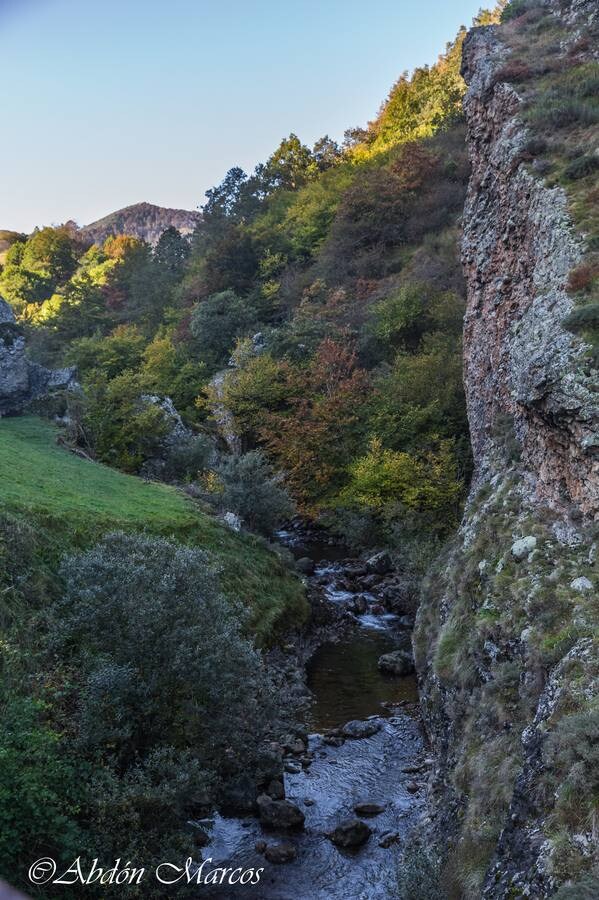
[112, 103]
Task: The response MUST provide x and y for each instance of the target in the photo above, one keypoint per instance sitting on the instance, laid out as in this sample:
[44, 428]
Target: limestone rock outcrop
[505, 639]
[21, 380]
[519, 247]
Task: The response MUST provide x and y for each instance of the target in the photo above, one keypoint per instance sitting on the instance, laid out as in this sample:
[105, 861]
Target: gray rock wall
[505, 641]
[22, 381]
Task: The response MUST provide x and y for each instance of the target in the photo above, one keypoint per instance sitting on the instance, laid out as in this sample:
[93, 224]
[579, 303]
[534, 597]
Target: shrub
[420, 876]
[161, 655]
[554, 112]
[140, 816]
[587, 888]
[583, 277]
[188, 458]
[572, 757]
[535, 146]
[250, 489]
[581, 167]
[583, 317]
[515, 9]
[514, 71]
[124, 430]
[215, 324]
[40, 790]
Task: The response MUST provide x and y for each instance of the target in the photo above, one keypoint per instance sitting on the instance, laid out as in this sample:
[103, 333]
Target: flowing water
[347, 685]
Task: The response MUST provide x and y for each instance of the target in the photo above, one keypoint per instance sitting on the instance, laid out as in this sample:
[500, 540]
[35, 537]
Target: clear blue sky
[110, 102]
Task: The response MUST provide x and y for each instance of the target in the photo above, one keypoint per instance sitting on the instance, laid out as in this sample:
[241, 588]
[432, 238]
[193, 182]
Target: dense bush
[123, 429]
[41, 790]
[420, 875]
[254, 492]
[187, 458]
[216, 323]
[161, 654]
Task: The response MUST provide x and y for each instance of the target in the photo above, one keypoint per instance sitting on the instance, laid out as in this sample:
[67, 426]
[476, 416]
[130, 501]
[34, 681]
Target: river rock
[360, 729]
[305, 565]
[388, 839]
[380, 563]
[276, 789]
[369, 581]
[358, 604]
[369, 808]
[350, 833]
[201, 838]
[279, 813]
[398, 662]
[355, 570]
[281, 853]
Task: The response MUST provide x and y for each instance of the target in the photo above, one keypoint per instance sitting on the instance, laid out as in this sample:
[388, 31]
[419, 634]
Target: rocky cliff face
[506, 634]
[22, 381]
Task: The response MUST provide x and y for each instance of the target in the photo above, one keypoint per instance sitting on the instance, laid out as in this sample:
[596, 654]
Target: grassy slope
[75, 501]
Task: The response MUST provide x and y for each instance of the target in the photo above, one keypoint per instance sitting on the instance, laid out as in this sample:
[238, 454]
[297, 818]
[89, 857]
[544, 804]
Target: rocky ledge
[21, 380]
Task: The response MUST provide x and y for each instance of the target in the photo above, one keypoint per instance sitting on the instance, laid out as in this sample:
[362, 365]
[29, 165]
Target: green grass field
[74, 502]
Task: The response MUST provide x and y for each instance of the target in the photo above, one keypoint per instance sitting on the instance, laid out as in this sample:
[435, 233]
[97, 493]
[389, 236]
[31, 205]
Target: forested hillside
[331, 277]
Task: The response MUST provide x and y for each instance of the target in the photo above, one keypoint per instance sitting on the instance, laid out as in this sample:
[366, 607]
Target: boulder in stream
[388, 839]
[350, 833]
[281, 853]
[360, 729]
[276, 789]
[380, 563]
[305, 565]
[279, 813]
[369, 808]
[398, 662]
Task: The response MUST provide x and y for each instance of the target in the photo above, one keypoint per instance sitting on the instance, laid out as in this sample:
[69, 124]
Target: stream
[387, 768]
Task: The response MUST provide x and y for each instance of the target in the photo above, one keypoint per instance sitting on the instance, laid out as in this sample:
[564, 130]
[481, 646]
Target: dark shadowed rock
[305, 565]
[369, 808]
[399, 662]
[380, 563]
[281, 853]
[276, 789]
[201, 838]
[350, 833]
[358, 729]
[279, 813]
[388, 839]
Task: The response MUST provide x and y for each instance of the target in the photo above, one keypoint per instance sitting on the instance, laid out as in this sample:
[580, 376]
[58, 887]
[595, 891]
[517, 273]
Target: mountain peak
[142, 220]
